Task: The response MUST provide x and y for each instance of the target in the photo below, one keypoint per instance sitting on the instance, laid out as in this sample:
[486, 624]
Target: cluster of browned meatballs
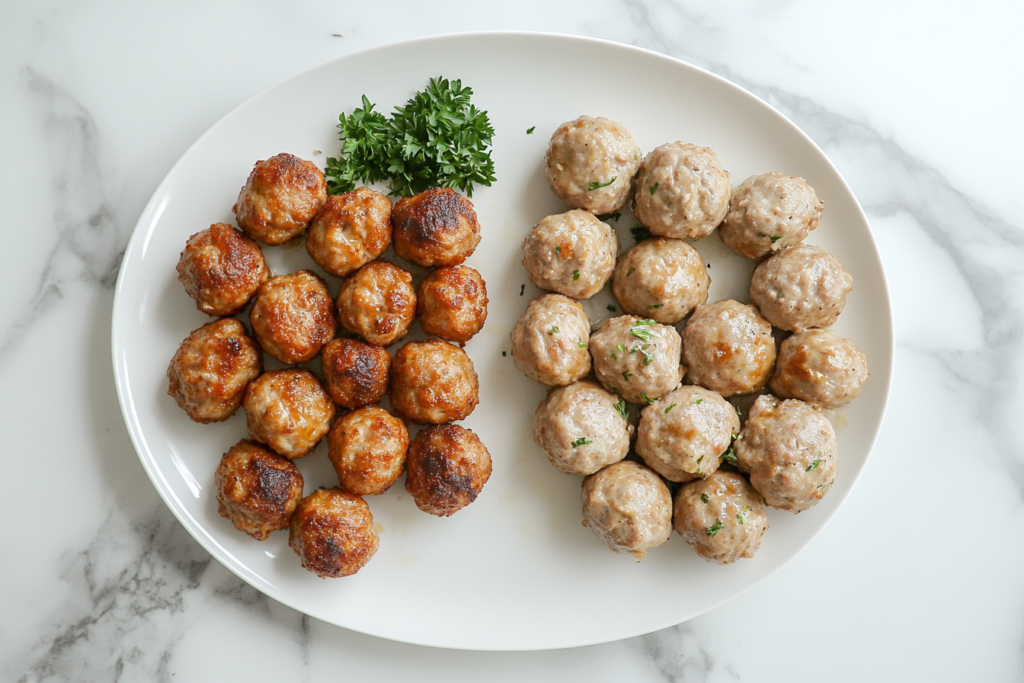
[678, 356]
[294, 319]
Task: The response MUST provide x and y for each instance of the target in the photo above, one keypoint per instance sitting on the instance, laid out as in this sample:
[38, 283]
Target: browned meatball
[210, 370]
[293, 316]
[452, 303]
[221, 269]
[435, 228]
[280, 198]
[289, 411]
[356, 373]
[257, 489]
[721, 517]
[447, 468]
[351, 229]
[367, 449]
[728, 348]
[332, 533]
[433, 382]
[378, 303]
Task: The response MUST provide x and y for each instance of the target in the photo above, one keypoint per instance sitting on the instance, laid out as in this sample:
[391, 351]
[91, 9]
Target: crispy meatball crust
[637, 358]
[435, 228]
[446, 469]
[549, 343]
[728, 348]
[570, 253]
[209, 372]
[452, 303]
[433, 382]
[378, 303]
[280, 198]
[580, 429]
[350, 230]
[221, 269]
[289, 411]
[628, 507]
[662, 279]
[293, 316]
[729, 525]
[367, 449]
[801, 287]
[770, 212]
[257, 489]
[356, 373]
[332, 533]
[820, 367]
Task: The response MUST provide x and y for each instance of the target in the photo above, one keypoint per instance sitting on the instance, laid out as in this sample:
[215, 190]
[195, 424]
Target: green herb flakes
[529, 131]
[813, 465]
[704, 498]
[714, 528]
[622, 409]
[670, 407]
[729, 456]
[575, 275]
[596, 185]
[582, 441]
[654, 188]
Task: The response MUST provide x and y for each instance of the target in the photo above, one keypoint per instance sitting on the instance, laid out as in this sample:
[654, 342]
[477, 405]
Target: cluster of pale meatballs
[678, 356]
[294, 319]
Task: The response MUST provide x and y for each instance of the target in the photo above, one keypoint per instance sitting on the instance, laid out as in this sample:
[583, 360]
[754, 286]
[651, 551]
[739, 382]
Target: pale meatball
[350, 230]
[355, 373]
[770, 212]
[332, 533]
[582, 428]
[570, 253]
[435, 228]
[257, 490]
[820, 367]
[549, 343]
[280, 198]
[433, 382]
[293, 316]
[637, 358]
[452, 303]
[721, 517]
[367, 449]
[683, 435]
[289, 411]
[662, 279]
[681, 191]
[801, 287]
[728, 348]
[210, 370]
[378, 303]
[590, 164]
[790, 450]
[446, 469]
[221, 269]
[628, 507]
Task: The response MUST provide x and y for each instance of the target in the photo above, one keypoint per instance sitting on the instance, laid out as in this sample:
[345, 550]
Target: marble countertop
[916, 578]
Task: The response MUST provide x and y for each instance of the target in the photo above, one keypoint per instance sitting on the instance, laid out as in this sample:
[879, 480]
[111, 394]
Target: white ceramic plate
[515, 570]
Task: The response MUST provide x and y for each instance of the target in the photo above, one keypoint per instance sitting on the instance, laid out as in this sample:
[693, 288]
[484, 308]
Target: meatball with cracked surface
[452, 303]
[332, 533]
[437, 227]
[433, 382]
[800, 288]
[257, 489]
[628, 507]
[293, 316]
[289, 411]
[280, 198]
[729, 348]
[367, 449]
[768, 213]
[590, 164]
[637, 358]
[662, 279]
[350, 230]
[221, 269]
[446, 469]
[549, 343]
[721, 517]
[582, 428]
[355, 373]
[570, 253]
[820, 367]
[378, 303]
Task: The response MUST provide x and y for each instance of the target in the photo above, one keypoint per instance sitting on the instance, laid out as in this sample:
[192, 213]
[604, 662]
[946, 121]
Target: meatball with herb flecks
[350, 230]
[293, 316]
[628, 507]
[289, 411]
[728, 347]
[549, 343]
[257, 489]
[570, 253]
[452, 303]
[637, 358]
[769, 212]
[355, 373]
[590, 163]
[662, 279]
[721, 517]
[332, 533]
[221, 269]
[367, 449]
[800, 287]
[446, 469]
[582, 428]
[378, 303]
[433, 382]
[820, 367]
[435, 228]
[280, 198]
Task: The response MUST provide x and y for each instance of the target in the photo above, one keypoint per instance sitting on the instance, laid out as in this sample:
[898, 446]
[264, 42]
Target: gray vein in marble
[680, 654]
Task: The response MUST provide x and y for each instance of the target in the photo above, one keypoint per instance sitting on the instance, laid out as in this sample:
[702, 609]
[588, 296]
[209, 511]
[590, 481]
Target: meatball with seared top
[628, 507]
[728, 348]
[768, 213]
[570, 253]
[293, 316]
[332, 533]
[221, 269]
[721, 517]
[355, 373]
[590, 163]
[435, 228]
[549, 343]
[433, 382]
[452, 303]
[350, 230]
[662, 279]
[289, 411]
[378, 303]
[446, 469]
[637, 358]
[280, 198]
[582, 428]
[801, 287]
[257, 489]
[367, 449]
[820, 367]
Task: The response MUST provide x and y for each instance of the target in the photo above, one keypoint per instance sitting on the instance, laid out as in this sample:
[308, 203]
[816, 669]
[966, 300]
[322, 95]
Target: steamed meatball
[628, 507]
[590, 164]
[367, 449]
[770, 212]
[681, 191]
[662, 279]
[293, 316]
[582, 428]
[790, 451]
[637, 358]
[257, 489]
[221, 269]
[549, 343]
[452, 303]
[729, 348]
[350, 230]
[332, 533]
[356, 373]
[289, 411]
[721, 517]
[570, 253]
[820, 367]
[435, 228]
[378, 303]
[209, 372]
[433, 382]
[446, 469]
[800, 287]
[280, 198]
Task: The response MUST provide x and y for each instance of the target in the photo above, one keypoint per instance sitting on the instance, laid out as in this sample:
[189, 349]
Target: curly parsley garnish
[582, 441]
[597, 185]
[813, 465]
[714, 528]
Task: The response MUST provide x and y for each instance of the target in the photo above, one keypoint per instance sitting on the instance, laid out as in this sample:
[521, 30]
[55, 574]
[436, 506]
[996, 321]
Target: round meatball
[280, 198]
[221, 269]
[549, 343]
[800, 287]
[433, 382]
[637, 358]
[452, 303]
[447, 468]
[289, 411]
[820, 367]
[351, 229]
[356, 373]
[582, 428]
[257, 489]
[662, 279]
[770, 212]
[378, 303]
[681, 191]
[293, 316]
[332, 533]
[435, 228]
[210, 370]
[590, 164]
[367, 449]
[729, 348]
[628, 507]
[721, 517]
[570, 253]
[790, 451]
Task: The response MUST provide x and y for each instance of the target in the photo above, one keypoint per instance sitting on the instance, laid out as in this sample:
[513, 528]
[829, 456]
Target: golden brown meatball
[368, 449]
[332, 533]
[433, 382]
[280, 198]
[221, 269]
[289, 411]
[721, 517]
[293, 316]
[351, 229]
[452, 303]
[728, 348]
[356, 373]
[447, 468]
[210, 370]
[257, 489]
[378, 303]
[435, 228]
